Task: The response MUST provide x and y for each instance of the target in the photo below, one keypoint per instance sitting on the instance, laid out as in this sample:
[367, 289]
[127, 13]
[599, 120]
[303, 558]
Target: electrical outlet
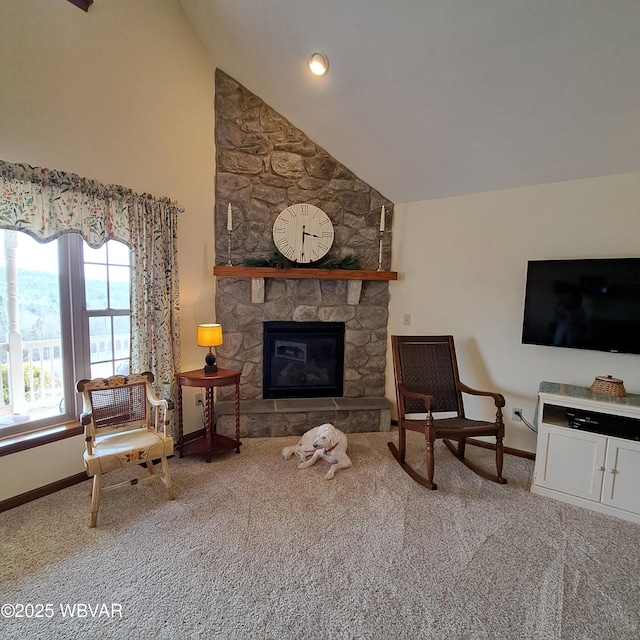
[516, 415]
[406, 320]
[198, 399]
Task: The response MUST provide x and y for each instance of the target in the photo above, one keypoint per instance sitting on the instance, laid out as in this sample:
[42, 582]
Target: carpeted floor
[254, 548]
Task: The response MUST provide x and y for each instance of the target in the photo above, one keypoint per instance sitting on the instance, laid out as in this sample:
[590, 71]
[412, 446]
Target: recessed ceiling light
[319, 64]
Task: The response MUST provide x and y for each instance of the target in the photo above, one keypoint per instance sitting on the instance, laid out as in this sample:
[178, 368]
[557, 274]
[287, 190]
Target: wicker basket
[609, 386]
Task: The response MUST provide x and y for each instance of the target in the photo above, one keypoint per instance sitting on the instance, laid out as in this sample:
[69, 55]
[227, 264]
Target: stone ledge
[297, 405]
[287, 417]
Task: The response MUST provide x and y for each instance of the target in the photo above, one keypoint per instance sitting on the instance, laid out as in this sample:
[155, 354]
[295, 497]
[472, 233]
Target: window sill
[13, 444]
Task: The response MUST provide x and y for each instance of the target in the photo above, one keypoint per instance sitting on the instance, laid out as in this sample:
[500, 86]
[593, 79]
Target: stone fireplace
[264, 164]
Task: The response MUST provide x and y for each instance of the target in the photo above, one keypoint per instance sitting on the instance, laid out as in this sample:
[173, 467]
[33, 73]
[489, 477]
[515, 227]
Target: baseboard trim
[34, 494]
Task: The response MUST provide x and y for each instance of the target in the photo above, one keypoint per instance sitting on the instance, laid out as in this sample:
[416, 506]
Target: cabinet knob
[612, 471]
[600, 468]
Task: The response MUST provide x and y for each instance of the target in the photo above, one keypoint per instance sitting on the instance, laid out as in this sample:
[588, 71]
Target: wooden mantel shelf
[258, 275]
[303, 272]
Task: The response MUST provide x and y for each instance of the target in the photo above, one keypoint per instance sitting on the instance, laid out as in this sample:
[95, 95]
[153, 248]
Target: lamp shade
[209, 335]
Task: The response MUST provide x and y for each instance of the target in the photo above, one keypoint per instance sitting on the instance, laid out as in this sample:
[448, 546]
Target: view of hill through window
[39, 307]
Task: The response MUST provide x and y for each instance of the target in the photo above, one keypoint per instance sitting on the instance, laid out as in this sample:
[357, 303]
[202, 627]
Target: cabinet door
[622, 476]
[570, 461]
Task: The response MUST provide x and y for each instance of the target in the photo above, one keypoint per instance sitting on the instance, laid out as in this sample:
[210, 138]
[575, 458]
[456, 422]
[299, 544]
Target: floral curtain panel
[46, 203]
[155, 300]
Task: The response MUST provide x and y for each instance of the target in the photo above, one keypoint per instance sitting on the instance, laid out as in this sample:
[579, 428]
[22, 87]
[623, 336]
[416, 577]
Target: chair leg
[462, 443]
[167, 478]
[95, 500]
[399, 454]
[402, 442]
[499, 456]
[430, 464]
[149, 465]
[476, 468]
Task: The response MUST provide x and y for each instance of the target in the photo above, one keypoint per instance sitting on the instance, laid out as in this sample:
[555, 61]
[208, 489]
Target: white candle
[229, 218]
[382, 219]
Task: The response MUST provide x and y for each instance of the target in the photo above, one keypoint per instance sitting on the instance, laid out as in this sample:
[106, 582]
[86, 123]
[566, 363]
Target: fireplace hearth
[303, 359]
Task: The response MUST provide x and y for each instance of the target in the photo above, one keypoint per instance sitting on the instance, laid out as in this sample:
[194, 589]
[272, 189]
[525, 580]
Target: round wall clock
[303, 233]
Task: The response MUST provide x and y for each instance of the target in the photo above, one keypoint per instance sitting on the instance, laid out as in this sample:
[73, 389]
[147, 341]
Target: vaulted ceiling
[431, 98]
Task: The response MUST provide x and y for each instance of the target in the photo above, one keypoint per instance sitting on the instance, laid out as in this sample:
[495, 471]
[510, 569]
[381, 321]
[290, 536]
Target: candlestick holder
[229, 248]
[380, 234]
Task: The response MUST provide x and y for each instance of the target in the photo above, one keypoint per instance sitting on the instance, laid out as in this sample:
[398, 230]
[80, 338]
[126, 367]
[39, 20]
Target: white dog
[324, 442]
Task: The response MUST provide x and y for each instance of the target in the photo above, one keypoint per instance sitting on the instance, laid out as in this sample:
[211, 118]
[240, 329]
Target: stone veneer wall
[304, 301]
[265, 164]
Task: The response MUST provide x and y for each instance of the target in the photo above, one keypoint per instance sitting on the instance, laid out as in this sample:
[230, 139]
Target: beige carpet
[253, 548]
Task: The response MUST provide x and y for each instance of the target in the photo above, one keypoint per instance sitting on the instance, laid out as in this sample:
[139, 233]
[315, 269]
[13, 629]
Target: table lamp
[209, 335]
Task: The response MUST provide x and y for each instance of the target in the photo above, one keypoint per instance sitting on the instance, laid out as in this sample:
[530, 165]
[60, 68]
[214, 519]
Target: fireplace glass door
[303, 359]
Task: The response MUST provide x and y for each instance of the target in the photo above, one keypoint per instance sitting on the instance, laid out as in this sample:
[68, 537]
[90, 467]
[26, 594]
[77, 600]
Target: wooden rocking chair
[426, 375]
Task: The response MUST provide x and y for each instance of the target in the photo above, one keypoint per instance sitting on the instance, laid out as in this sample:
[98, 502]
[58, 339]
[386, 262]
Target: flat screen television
[583, 304]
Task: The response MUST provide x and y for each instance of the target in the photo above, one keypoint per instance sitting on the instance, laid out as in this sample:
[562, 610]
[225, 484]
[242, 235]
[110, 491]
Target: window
[106, 284]
[64, 307]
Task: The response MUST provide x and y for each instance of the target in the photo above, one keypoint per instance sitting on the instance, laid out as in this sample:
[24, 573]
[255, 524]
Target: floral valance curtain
[46, 203]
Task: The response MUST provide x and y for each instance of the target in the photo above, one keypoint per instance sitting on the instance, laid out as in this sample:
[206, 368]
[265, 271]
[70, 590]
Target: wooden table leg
[237, 412]
[180, 427]
[209, 418]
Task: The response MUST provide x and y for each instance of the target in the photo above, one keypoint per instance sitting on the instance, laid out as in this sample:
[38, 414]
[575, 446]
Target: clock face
[303, 233]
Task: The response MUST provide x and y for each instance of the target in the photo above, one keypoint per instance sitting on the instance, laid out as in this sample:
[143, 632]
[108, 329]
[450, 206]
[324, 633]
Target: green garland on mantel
[278, 261]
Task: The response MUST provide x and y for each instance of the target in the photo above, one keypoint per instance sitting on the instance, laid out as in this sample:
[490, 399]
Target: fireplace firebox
[303, 359]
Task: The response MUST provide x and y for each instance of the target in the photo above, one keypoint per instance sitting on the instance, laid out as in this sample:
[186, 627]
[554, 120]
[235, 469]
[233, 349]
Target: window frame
[75, 348]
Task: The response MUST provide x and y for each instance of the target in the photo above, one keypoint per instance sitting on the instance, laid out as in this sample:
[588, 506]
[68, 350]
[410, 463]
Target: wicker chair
[426, 374]
[125, 424]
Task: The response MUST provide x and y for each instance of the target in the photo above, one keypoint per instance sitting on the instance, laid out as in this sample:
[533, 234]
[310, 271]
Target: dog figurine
[324, 442]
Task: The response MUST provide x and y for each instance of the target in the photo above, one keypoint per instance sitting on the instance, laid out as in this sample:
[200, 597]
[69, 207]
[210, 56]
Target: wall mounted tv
[583, 304]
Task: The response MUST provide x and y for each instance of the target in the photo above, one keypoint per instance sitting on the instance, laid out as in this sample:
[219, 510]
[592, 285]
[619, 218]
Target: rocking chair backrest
[427, 364]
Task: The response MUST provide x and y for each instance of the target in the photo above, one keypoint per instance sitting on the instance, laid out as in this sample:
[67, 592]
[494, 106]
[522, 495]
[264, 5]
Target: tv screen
[583, 304]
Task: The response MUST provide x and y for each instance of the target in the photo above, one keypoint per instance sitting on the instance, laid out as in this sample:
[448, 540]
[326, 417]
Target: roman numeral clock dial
[303, 233]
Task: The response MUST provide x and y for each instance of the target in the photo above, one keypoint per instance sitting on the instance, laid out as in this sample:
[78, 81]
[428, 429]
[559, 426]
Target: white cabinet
[621, 487]
[592, 470]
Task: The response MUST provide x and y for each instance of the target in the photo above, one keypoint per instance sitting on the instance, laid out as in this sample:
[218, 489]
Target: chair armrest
[85, 420]
[426, 399]
[154, 401]
[158, 404]
[498, 398]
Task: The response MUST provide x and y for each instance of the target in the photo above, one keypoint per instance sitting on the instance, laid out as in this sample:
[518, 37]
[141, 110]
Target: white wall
[122, 94]
[462, 263]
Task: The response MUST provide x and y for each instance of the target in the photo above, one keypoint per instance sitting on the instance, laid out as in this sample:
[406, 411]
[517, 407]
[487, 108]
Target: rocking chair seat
[455, 427]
